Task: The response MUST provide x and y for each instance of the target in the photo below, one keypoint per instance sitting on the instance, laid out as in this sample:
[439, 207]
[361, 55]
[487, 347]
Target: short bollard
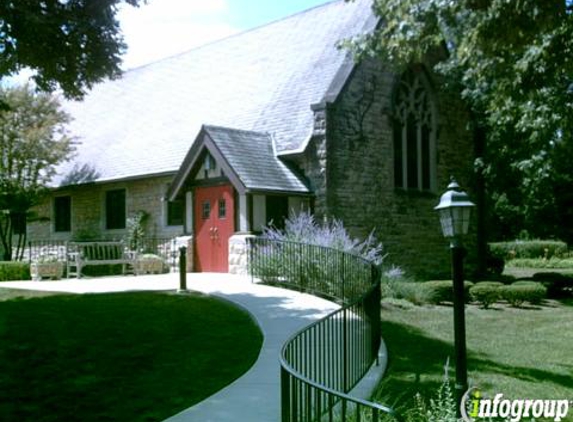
[182, 270]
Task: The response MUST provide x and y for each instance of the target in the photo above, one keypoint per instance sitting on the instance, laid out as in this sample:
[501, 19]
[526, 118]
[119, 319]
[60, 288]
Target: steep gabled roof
[247, 158]
[262, 80]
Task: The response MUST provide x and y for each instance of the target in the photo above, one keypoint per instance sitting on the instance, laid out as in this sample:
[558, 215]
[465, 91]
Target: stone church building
[224, 138]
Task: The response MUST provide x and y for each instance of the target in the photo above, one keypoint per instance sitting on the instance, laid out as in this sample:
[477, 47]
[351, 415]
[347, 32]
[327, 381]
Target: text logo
[475, 407]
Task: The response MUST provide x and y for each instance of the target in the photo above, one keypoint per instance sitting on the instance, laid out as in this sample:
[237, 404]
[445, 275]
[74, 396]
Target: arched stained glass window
[414, 133]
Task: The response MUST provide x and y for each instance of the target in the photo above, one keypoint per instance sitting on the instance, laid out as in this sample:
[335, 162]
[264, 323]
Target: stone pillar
[239, 253]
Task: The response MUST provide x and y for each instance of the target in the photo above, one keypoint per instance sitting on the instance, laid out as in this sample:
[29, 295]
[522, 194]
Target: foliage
[529, 249]
[10, 271]
[441, 408]
[80, 174]
[441, 291]
[558, 263]
[135, 227]
[558, 285]
[69, 44]
[33, 140]
[408, 290]
[323, 259]
[511, 63]
[303, 228]
[485, 293]
[517, 294]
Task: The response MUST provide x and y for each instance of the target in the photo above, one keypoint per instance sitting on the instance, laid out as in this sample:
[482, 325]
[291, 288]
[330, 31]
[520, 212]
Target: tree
[71, 44]
[511, 62]
[33, 140]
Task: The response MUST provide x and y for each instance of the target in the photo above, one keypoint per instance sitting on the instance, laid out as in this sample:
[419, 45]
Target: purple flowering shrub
[304, 228]
[321, 258]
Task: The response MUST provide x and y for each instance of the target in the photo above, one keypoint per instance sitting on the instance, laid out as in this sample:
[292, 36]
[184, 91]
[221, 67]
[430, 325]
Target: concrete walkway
[255, 396]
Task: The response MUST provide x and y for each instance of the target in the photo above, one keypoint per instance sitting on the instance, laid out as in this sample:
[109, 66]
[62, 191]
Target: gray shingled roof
[251, 157]
[262, 80]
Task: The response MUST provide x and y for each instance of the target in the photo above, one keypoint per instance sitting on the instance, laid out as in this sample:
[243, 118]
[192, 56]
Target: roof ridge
[210, 43]
[258, 132]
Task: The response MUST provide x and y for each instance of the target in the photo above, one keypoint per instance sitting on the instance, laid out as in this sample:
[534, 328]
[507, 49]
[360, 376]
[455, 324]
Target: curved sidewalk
[280, 313]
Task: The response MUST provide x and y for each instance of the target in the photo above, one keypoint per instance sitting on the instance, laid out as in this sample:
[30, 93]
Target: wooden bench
[81, 254]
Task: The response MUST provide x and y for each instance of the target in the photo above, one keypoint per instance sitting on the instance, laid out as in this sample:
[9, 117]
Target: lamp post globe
[455, 210]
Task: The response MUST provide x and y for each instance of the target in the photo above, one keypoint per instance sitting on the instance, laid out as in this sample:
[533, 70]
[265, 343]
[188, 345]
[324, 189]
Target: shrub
[413, 292]
[558, 285]
[554, 262]
[443, 290]
[441, 408]
[529, 249]
[316, 257]
[13, 271]
[516, 295]
[486, 293]
[331, 234]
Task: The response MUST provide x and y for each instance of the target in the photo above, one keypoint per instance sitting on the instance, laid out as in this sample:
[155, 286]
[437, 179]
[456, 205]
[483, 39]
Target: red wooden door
[214, 225]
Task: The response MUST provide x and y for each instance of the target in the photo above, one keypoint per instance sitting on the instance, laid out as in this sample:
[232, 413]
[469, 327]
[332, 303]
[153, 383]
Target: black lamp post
[455, 209]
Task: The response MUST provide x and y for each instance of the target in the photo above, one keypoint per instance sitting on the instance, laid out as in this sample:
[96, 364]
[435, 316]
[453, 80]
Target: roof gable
[247, 158]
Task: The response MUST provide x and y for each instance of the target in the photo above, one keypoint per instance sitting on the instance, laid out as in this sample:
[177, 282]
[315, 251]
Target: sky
[162, 28]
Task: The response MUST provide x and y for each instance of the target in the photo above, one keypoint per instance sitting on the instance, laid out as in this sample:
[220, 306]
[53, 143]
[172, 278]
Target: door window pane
[222, 208]
[206, 210]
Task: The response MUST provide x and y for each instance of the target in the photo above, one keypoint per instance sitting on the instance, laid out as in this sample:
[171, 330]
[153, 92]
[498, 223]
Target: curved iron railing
[321, 363]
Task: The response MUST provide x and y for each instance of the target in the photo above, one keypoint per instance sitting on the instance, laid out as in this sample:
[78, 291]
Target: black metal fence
[321, 363]
[166, 248]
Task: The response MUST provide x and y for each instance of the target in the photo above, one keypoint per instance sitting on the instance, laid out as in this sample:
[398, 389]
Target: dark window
[414, 133]
[206, 210]
[175, 212]
[277, 211]
[222, 208]
[18, 220]
[63, 214]
[115, 209]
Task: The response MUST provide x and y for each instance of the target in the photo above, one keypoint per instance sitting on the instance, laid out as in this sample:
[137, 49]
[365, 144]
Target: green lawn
[522, 353]
[117, 357]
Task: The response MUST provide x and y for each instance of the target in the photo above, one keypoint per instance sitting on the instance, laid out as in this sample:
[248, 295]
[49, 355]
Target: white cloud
[163, 28]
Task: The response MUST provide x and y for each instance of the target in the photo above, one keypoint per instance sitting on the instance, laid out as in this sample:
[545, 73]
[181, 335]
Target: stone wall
[88, 210]
[359, 175]
[239, 254]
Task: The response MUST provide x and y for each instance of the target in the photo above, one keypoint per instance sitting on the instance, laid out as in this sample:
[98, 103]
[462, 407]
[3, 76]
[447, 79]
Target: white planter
[149, 266]
[52, 270]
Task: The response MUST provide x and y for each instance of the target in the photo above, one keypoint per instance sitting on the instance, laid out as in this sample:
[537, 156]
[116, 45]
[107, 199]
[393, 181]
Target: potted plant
[47, 266]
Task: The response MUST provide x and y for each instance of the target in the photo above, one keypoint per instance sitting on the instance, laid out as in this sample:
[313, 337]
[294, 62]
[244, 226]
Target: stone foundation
[239, 254]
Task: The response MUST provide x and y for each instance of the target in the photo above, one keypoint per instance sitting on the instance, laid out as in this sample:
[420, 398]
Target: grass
[118, 357]
[522, 353]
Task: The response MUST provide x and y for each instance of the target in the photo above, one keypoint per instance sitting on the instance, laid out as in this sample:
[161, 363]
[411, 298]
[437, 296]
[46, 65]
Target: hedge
[443, 291]
[558, 285]
[13, 271]
[486, 293]
[517, 294]
[528, 249]
[553, 262]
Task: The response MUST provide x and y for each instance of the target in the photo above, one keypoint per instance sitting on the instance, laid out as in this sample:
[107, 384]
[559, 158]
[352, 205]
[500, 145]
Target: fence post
[285, 395]
[182, 269]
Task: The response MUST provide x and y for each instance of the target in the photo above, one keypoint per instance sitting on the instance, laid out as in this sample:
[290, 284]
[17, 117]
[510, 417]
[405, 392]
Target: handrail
[322, 362]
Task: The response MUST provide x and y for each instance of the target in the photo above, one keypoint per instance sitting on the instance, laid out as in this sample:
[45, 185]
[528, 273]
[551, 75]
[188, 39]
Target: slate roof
[252, 158]
[262, 80]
